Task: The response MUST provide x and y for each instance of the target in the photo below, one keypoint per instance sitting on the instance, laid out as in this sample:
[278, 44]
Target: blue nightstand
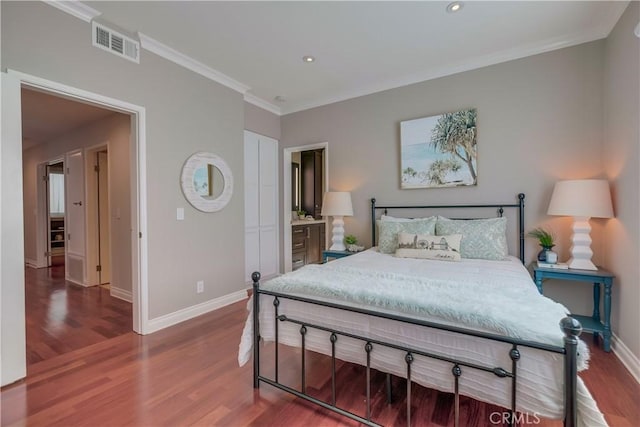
[334, 254]
[589, 323]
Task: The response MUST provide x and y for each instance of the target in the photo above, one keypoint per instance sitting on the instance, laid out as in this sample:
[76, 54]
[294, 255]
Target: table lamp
[338, 205]
[582, 199]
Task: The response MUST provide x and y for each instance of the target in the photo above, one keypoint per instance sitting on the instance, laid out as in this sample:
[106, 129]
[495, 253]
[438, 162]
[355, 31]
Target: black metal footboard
[569, 326]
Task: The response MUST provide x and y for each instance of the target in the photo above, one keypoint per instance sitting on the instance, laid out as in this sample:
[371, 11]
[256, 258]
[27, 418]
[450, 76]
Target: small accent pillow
[481, 238]
[388, 231]
[445, 248]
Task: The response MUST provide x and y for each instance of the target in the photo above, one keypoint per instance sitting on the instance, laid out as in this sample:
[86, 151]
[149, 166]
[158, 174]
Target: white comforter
[491, 296]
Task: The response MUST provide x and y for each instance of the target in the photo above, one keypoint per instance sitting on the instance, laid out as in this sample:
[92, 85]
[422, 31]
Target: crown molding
[189, 63]
[75, 8]
[451, 69]
[259, 102]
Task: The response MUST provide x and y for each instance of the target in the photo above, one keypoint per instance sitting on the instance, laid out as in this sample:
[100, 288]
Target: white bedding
[493, 296]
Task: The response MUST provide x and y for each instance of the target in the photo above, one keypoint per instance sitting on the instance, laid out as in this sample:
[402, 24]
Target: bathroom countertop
[306, 221]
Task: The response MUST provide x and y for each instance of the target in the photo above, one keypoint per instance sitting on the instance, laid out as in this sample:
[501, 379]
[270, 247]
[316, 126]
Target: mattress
[473, 294]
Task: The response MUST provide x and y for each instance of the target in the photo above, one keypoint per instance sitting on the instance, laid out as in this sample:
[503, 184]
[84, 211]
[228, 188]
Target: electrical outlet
[200, 286]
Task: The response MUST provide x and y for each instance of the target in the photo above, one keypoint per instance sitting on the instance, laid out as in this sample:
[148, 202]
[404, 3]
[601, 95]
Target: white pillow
[444, 248]
[482, 238]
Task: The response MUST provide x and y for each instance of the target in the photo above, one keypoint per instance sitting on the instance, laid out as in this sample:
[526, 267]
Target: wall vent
[114, 42]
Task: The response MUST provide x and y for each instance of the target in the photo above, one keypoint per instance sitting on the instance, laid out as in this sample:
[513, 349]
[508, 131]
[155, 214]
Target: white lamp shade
[337, 203]
[587, 198]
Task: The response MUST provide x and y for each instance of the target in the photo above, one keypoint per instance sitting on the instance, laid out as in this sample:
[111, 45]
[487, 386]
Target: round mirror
[207, 182]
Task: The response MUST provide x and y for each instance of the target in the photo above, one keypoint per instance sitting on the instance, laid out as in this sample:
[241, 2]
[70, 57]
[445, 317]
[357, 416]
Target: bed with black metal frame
[569, 326]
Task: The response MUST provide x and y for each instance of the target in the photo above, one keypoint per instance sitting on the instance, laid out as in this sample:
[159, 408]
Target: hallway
[62, 317]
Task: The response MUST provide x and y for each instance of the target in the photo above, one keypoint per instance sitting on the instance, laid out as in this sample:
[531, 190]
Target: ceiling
[45, 117]
[360, 47]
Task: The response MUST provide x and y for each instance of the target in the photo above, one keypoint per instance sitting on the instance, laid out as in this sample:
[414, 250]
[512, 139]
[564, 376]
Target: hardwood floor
[188, 375]
[62, 317]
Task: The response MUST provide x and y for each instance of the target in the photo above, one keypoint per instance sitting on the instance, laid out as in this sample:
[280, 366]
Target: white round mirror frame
[195, 161]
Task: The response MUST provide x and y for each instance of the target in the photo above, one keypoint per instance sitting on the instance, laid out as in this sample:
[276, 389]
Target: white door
[261, 195]
[75, 217]
[251, 205]
[268, 150]
[12, 312]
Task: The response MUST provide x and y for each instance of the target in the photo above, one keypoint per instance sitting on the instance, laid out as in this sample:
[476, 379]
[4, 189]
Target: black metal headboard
[500, 207]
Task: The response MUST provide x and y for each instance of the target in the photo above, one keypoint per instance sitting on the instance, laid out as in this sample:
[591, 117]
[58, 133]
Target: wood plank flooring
[62, 317]
[188, 375]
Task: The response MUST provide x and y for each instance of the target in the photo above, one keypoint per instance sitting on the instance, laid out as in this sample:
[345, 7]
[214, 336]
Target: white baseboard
[31, 263]
[121, 294]
[190, 312]
[628, 359]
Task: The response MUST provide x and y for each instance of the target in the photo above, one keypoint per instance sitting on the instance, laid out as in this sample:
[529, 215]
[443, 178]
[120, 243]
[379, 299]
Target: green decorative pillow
[442, 248]
[481, 238]
[388, 231]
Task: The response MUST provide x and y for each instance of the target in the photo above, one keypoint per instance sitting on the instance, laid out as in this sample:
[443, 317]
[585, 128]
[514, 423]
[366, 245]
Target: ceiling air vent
[114, 42]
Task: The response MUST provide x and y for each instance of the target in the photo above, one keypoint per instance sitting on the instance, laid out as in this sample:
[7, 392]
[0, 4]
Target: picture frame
[439, 151]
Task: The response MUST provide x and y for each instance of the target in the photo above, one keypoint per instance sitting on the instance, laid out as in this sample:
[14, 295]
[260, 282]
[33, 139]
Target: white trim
[628, 359]
[31, 263]
[75, 8]
[121, 294]
[194, 311]
[286, 170]
[259, 102]
[189, 63]
[139, 221]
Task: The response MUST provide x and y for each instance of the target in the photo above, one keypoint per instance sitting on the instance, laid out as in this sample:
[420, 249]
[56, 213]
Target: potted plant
[351, 243]
[302, 214]
[546, 239]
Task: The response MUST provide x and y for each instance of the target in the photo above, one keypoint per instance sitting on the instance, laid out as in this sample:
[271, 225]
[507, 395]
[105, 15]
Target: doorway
[55, 202]
[13, 211]
[292, 196]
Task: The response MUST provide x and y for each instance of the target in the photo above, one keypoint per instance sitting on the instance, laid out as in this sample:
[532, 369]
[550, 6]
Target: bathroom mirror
[207, 182]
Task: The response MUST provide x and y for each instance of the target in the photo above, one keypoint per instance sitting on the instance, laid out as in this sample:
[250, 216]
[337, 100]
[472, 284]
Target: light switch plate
[180, 214]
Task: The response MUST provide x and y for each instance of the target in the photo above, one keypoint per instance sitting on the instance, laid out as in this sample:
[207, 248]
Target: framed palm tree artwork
[439, 151]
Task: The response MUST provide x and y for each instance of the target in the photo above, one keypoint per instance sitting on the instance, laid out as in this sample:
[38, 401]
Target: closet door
[251, 205]
[261, 198]
[268, 149]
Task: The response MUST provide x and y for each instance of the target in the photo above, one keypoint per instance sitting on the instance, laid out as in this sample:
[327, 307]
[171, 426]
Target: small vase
[542, 255]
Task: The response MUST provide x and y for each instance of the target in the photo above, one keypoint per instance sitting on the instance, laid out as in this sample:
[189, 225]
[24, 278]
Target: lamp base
[338, 234]
[581, 252]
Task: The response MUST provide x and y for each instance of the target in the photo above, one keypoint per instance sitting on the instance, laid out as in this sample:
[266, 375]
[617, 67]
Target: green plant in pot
[546, 239]
[350, 239]
[302, 214]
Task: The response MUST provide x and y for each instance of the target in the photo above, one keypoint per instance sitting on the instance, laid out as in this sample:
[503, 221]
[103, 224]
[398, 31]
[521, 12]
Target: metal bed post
[572, 329]
[373, 221]
[256, 328]
[521, 224]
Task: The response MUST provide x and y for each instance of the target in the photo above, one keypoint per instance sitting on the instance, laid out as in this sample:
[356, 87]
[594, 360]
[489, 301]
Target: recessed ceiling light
[454, 7]
[308, 58]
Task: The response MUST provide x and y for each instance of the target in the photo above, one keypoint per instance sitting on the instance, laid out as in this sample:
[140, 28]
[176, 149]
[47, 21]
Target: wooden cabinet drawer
[298, 259]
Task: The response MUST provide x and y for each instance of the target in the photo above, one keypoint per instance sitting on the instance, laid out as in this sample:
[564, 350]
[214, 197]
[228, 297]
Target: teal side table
[591, 323]
[334, 254]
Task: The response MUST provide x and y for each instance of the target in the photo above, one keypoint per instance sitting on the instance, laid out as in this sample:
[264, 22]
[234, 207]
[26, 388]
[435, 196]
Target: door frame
[140, 288]
[91, 185]
[286, 171]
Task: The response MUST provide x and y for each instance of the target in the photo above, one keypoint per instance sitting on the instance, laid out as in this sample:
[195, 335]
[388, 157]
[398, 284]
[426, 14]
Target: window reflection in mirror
[208, 182]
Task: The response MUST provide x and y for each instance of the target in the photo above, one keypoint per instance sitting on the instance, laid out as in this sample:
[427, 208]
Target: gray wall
[621, 150]
[185, 113]
[261, 121]
[539, 120]
[116, 130]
